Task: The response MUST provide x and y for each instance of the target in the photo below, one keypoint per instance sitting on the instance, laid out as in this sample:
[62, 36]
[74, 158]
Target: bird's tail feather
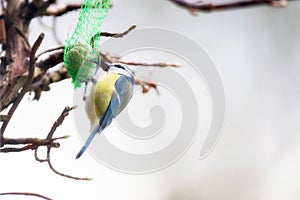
[88, 141]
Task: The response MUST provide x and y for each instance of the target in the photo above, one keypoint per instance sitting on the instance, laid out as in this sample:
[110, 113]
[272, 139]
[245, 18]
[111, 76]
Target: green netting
[81, 52]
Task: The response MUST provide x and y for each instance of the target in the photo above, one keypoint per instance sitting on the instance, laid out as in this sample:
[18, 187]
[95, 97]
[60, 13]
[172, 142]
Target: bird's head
[121, 69]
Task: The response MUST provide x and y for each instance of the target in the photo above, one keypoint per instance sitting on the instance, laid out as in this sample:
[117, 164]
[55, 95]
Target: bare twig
[37, 158]
[26, 86]
[118, 35]
[57, 123]
[31, 143]
[60, 120]
[159, 64]
[43, 82]
[60, 10]
[111, 59]
[50, 50]
[65, 175]
[34, 141]
[35, 8]
[27, 147]
[26, 194]
[207, 7]
[146, 85]
[51, 60]
[114, 35]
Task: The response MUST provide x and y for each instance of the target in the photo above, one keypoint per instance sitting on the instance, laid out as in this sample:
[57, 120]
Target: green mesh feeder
[81, 51]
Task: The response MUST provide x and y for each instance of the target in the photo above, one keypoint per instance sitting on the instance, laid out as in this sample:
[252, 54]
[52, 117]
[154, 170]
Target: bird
[107, 98]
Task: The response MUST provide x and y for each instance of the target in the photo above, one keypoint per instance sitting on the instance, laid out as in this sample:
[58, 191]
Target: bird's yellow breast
[103, 92]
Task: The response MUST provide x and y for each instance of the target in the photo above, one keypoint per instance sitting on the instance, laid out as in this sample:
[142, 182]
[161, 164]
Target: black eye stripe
[120, 66]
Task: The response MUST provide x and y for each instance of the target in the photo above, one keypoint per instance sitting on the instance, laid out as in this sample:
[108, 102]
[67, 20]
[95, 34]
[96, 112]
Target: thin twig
[37, 158]
[43, 82]
[60, 10]
[159, 64]
[57, 123]
[15, 149]
[193, 6]
[52, 59]
[35, 141]
[111, 59]
[50, 50]
[26, 86]
[118, 35]
[114, 35]
[26, 194]
[28, 147]
[146, 85]
[65, 175]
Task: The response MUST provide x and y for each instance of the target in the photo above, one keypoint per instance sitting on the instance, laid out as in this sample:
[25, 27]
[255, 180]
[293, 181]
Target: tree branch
[114, 35]
[208, 7]
[31, 143]
[34, 8]
[118, 35]
[35, 143]
[56, 124]
[146, 85]
[115, 59]
[26, 86]
[28, 147]
[25, 194]
[54, 57]
[42, 83]
[60, 10]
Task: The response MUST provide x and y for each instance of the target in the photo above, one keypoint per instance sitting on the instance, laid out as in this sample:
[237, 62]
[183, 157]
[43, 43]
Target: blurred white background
[256, 51]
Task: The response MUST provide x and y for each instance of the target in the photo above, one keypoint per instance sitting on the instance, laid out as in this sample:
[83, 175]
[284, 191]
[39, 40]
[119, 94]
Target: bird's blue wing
[122, 95]
[120, 98]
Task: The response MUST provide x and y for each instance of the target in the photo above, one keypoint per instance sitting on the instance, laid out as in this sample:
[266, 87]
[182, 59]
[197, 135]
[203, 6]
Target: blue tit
[107, 98]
